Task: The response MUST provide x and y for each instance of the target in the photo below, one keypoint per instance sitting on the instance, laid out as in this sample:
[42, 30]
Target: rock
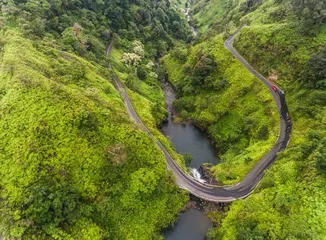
[207, 175]
[190, 205]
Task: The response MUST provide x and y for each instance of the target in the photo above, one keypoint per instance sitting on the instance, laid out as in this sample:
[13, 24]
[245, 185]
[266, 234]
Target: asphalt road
[248, 184]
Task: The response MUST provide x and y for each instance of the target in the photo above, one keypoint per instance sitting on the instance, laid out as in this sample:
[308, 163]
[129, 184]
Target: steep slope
[291, 200]
[146, 95]
[234, 107]
[95, 22]
[284, 40]
[73, 165]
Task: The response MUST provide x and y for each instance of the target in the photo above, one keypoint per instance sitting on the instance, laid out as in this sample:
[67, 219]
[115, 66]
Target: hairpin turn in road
[249, 183]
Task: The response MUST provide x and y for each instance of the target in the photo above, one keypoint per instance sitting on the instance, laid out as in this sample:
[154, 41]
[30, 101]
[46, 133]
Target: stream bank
[192, 28]
[196, 220]
[193, 223]
[186, 137]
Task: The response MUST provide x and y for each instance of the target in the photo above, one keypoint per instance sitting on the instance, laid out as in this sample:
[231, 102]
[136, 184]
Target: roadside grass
[67, 140]
[205, 15]
[291, 196]
[232, 116]
[148, 100]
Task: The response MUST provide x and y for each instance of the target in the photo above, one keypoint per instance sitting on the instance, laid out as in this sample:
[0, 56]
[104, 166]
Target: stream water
[192, 224]
[192, 28]
[187, 138]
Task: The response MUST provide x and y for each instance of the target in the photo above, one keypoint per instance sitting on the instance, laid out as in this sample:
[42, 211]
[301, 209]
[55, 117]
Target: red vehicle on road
[278, 90]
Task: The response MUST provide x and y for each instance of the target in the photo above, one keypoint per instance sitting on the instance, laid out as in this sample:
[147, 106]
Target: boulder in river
[207, 175]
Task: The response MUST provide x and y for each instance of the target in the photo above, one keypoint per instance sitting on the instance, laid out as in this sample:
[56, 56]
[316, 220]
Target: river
[187, 138]
[192, 28]
[192, 224]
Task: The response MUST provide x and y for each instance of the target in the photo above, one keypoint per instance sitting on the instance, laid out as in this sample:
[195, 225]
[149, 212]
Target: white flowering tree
[135, 57]
[150, 65]
[131, 59]
[138, 48]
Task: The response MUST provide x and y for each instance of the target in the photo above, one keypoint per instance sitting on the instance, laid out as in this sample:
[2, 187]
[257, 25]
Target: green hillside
[73, 165]
[291, 200]
[72, 162]
[285, 41]
[234, 107]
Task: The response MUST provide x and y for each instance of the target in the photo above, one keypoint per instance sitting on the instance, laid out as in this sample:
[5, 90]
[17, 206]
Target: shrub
[188, 158]
[141, 73]
[314, 74]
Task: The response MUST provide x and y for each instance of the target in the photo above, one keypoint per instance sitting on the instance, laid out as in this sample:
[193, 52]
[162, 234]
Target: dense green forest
[220, 95]
[284, 40]
[83, 25]
[72, 163]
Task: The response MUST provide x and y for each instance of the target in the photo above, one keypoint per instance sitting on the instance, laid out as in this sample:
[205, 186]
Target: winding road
[249, 183]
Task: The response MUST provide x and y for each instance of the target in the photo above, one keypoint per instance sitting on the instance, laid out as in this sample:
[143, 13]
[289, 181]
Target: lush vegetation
[291, 199]
[223, 15]
[82, 25]
[285, 41]
[72, 163]
[74, 166]
[146, 95]
[221, 96]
